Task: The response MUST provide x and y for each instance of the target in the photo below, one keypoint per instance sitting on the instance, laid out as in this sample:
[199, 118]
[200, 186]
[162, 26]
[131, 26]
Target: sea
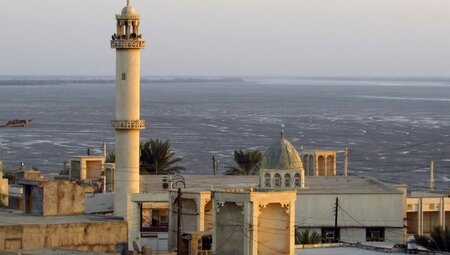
[395, 126]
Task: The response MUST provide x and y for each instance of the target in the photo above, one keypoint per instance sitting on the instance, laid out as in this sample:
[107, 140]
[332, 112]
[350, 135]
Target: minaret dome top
[128, 11]
[128, 35]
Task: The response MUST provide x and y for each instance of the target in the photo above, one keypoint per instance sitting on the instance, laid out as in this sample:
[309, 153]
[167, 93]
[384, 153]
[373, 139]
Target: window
[375, 234]
[277, 181]
[154, 218]
[297, 180]
[267, 180]
[206, 243]
[328, 235]
[287, 180]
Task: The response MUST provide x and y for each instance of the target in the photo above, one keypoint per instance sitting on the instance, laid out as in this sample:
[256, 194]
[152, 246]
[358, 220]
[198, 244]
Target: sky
[231, 37]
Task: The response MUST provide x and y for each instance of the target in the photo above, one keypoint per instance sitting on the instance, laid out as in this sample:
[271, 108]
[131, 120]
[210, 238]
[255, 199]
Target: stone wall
[94, 236]
[63, 198]
[54, 197]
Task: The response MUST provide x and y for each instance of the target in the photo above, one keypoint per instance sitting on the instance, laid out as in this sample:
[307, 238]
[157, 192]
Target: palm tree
[248, 162]
[439, 239]
[111, 158]
[307, 237]
[157, 158]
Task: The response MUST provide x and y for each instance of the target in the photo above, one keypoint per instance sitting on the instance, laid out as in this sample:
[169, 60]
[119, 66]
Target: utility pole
[347, 152]
[214, 165]
[179, 223]
[336, 221]
[432, 175]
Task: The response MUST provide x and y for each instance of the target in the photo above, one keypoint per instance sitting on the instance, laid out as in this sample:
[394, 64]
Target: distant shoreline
[62, 80]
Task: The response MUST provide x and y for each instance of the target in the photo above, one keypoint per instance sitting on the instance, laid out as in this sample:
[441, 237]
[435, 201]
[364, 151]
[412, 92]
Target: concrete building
[20, 231]
[127, 41]
[4, 191]
[366, 206]
[233, 221]
[51, 197]
[27, 175]
[368, 209]
[319, 162]
[425, 211]
[252, 222]
[87, 168]
[151, 225]
[196, 214]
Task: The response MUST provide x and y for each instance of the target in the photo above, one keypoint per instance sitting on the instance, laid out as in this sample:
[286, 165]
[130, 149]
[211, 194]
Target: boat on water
[17, 123]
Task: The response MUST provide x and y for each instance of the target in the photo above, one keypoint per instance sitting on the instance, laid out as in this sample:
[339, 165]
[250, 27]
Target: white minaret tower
[128, 43]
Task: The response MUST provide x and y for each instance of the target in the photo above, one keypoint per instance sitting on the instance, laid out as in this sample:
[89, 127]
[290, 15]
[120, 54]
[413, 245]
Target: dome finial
[128, 2]
[282, 131]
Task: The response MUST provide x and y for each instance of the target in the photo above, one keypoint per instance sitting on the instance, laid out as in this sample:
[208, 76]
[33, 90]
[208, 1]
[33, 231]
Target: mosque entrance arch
[273, 227]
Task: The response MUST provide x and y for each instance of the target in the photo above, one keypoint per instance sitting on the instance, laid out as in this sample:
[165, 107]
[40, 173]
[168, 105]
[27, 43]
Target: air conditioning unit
[166, 182]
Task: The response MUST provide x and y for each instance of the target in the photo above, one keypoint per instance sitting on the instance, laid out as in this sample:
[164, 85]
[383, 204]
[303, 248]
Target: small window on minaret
[124, 76]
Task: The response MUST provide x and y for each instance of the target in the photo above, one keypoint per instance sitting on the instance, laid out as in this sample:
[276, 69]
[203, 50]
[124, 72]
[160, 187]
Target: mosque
[206, 214]
[274, 203]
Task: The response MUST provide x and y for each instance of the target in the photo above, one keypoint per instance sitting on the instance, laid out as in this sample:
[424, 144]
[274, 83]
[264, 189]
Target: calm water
[397, 127]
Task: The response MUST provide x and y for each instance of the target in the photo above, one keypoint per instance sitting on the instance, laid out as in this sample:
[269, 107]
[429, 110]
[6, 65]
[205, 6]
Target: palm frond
[157, 158]
[248, 161]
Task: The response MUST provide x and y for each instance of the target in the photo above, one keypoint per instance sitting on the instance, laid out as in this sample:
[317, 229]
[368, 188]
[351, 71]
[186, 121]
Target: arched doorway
[330, 165]
[322, 170]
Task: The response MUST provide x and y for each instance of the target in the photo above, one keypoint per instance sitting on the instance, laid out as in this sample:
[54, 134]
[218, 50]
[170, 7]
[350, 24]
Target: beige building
[87, 168]
[368, 209]
[151, 222]
[196, 213]
[251, 222]
[51, 197]
[424, 211]
[4, 191]
[319, 162]
[20, 231]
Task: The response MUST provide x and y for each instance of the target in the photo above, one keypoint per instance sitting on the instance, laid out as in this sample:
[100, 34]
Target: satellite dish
[136, 247]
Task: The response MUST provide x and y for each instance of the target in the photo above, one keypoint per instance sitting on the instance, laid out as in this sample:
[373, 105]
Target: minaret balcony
[128, 124]
[127, 44]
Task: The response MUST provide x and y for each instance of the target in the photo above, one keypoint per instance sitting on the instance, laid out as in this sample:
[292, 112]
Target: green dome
[281, 155]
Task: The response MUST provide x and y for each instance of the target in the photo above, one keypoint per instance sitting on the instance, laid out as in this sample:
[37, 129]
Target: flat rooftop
[52, 251]
[340, 251]
[313, 184]
[17, 217]
[346, 184]
[154, 183]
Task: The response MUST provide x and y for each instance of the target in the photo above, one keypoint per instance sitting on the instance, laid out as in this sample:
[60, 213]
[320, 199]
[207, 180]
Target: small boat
[17, 123]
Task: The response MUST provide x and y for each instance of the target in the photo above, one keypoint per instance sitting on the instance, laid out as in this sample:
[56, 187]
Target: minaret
[128, 43]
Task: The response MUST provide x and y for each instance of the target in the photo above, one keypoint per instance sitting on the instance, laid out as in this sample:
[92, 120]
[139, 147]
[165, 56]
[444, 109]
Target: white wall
[374, 210]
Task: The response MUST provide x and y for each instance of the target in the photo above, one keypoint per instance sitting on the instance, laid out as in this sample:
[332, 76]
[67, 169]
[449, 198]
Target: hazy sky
[231, 37]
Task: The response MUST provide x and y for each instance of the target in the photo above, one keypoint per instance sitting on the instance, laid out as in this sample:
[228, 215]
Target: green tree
[307, 237]
[439, 239]
[248, 162]
[11, 176]
[110, 158]
[157, 158]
